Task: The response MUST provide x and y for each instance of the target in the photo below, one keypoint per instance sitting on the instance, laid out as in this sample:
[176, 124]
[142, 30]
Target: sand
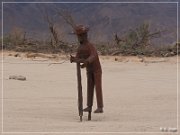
[140, 95]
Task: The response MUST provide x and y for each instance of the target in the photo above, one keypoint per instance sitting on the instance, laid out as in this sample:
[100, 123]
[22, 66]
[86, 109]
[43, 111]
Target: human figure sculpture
[88, 57]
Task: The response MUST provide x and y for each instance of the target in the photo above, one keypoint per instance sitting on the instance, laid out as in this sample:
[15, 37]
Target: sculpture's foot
[99, 110]
[87, 109]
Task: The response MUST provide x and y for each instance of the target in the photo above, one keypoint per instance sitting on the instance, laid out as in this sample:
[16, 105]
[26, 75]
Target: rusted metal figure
[88, 57]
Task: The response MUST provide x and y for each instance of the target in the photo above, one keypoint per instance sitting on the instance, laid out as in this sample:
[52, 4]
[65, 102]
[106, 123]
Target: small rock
[17, 77]
[17, 55]
[172, 129]
[172, 53]
[163, 129]
[10, 54]
[169, 129]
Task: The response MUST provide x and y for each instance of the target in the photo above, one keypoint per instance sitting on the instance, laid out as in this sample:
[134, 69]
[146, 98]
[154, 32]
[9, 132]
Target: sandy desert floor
[138, 96]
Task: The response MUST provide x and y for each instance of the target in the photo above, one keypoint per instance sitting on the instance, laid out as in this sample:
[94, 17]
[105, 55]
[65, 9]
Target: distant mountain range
[104, 19]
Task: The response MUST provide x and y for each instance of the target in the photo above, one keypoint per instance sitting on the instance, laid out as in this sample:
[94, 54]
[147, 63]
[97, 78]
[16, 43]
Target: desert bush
[136, 40]
[17, 36]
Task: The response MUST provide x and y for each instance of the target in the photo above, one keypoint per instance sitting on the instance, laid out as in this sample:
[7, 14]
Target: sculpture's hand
[77, 60]
[85, 63]
[72, 58]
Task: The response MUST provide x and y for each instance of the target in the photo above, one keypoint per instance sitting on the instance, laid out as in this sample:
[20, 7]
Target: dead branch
[118, 39]
[36, 63]
[57, 63]
[52, 28]
[67, 17]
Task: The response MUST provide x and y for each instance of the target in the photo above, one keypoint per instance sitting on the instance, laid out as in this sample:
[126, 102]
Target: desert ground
[140, 95]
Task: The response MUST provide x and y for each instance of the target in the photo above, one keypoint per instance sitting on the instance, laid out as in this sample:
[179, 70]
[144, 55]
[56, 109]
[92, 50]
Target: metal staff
[80, 95]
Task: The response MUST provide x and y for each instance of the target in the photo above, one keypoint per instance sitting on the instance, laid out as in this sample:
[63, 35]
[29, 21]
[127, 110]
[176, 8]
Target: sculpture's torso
[88, 50]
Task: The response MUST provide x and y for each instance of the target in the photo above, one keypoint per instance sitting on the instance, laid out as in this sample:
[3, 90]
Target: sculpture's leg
[90, 93]
[98, 84]
[90, 89]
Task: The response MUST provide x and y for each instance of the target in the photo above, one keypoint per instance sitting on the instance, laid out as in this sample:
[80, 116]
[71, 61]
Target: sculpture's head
[81, 32]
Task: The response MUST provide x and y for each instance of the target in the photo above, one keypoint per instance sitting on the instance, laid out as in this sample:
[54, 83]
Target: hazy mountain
[104, 19]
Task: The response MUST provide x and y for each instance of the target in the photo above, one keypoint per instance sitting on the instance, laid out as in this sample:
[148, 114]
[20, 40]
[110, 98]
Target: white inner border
[2, 3]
